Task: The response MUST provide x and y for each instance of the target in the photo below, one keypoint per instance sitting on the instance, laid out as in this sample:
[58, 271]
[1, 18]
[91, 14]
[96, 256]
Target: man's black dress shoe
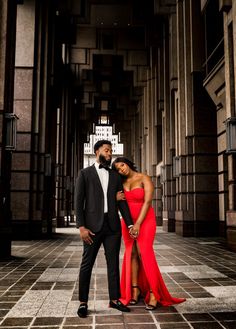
[82, 310]
[119, 306]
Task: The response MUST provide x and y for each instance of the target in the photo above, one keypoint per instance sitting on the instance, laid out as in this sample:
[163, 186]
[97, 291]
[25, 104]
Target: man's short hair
[100, 143]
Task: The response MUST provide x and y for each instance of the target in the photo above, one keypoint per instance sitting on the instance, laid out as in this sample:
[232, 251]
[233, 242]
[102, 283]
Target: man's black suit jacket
[89, 201]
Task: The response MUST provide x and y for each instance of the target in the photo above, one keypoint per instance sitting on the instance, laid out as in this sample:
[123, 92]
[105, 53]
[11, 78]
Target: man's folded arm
[79, 200]
[124, 210]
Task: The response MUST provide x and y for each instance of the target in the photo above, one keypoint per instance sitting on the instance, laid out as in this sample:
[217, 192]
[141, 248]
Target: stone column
[23, 103]
[138, 138]
[168, 127]
[146, 120]
[153, 133]
[230, 74]
[64, 155]
[180, 119]
[32, 190]
[196, 146]
[7, 59]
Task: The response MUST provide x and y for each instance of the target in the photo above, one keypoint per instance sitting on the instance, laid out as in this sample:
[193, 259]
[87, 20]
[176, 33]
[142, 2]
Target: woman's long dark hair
[126, 161]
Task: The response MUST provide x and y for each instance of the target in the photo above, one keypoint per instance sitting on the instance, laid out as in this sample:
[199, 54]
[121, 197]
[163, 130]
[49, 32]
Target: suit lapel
[95, 176]
[109, 181]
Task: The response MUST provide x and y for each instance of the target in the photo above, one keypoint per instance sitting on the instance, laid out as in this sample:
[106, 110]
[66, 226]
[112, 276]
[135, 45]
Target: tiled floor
[38, 287]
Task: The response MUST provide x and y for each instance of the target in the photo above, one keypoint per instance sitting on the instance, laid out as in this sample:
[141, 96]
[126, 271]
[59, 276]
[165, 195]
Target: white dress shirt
[103, 175]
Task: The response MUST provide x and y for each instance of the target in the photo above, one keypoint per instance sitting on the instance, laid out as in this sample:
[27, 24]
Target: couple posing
[98, 197]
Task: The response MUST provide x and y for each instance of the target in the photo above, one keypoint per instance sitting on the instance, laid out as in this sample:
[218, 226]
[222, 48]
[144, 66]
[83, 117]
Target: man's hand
[85, 235]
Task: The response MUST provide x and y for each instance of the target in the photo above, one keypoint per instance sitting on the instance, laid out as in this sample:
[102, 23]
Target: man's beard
[103, 160]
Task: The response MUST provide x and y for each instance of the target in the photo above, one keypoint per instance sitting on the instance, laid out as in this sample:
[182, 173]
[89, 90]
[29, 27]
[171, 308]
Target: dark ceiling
[110, 47]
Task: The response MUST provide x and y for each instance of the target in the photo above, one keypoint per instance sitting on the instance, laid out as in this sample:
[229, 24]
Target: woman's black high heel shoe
[135, 301]
[151, 307]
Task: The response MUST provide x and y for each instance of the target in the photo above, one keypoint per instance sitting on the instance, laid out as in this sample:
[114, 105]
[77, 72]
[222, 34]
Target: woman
[140, 272]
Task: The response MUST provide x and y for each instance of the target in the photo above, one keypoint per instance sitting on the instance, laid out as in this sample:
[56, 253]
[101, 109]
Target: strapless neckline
[136, 188]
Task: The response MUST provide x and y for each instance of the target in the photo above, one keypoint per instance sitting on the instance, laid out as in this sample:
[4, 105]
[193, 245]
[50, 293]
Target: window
[214, 35]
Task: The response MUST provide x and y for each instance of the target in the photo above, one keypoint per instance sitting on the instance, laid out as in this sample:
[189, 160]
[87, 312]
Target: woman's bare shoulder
[146, 179]
[145, 176]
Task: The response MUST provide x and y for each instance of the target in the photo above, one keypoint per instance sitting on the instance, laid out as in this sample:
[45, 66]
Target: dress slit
[150, 277]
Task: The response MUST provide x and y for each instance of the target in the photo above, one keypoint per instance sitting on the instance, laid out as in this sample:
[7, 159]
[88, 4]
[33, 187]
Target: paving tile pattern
[39, 286]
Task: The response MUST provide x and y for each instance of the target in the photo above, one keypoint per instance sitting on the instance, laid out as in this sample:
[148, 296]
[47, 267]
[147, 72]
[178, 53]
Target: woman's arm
[148, 195]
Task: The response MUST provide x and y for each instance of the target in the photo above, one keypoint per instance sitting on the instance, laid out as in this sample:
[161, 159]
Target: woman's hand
[134, 231]
[120, 196]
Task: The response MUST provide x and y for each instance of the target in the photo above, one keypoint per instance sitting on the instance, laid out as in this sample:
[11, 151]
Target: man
[97, 218]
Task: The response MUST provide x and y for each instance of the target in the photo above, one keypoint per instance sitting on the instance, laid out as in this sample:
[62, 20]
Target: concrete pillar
[181, 118]
[64, 155]
[23, 107]
[7, 58]
[165, 99]
[32, 173]
[153, 134]
[201, 181]
[185, 156]
[138, 138]
[230, 74]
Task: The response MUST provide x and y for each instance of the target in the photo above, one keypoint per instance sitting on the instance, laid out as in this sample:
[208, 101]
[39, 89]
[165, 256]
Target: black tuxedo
[89, 210]
[89, 201]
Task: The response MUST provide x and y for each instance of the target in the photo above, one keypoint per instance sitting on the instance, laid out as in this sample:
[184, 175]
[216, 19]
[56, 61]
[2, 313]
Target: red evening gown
[150, 277]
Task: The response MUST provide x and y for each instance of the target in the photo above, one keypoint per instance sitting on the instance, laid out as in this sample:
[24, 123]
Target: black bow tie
[103, 166]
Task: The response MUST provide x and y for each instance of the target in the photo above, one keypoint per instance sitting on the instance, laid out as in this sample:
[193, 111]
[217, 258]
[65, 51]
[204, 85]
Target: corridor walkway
[38, 286]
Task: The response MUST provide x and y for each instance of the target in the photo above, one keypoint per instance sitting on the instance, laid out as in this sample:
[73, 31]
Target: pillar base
[222, 228]
[159, 221]
[5, 243]
[61, 221]
[231, 229]
[5, 249]
[168, 221]
[24, 230]
[197, 228]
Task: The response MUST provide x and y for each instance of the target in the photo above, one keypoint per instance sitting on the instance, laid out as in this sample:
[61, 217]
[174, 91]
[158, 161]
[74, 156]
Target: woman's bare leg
[152, 299]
